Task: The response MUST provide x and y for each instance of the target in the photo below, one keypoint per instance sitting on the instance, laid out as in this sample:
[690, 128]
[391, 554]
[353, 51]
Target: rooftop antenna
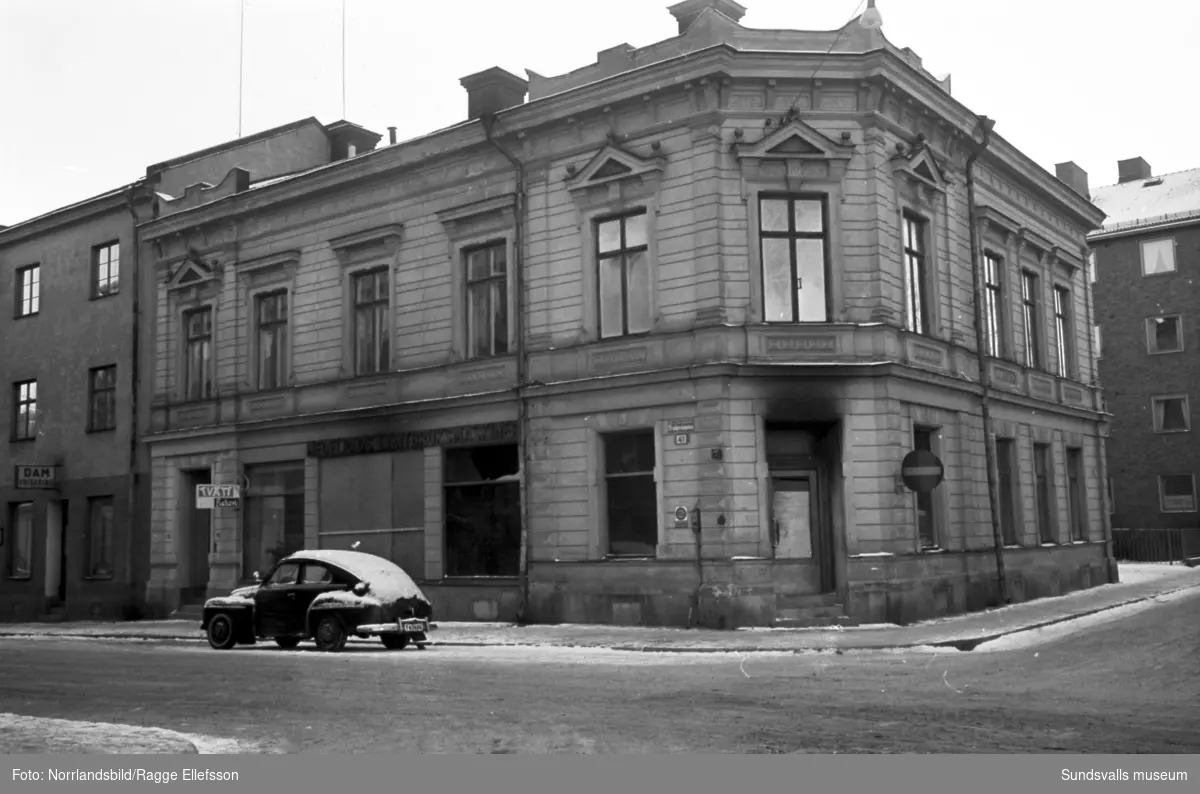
[241, 52]
[343, 59]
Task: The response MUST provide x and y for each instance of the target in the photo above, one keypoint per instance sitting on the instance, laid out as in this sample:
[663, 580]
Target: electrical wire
[853, 16]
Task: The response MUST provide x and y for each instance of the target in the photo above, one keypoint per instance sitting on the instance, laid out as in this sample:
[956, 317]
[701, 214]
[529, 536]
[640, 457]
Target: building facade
[66, 487]
[1146, 265]
[646, 347]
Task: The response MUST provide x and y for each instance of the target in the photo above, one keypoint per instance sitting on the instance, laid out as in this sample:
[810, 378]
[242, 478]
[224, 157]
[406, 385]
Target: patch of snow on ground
[1138, 572]
[1034, 637]
[46, 735]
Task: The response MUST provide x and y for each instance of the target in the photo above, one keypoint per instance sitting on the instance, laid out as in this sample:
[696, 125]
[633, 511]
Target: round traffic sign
[922, 471]
[681, 514]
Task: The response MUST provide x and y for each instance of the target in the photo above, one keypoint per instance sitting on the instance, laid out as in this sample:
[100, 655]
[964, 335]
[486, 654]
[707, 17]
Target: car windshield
[285, 574]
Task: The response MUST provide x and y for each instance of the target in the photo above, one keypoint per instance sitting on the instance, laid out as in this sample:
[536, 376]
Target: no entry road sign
[922, 471]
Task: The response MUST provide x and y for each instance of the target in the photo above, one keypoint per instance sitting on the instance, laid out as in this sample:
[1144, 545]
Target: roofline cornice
[65, 216]
[1148, 226]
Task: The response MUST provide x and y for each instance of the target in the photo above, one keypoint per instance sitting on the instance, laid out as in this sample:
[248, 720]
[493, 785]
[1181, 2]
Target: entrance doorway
[800, 526]
[196, 542]
[56, 551]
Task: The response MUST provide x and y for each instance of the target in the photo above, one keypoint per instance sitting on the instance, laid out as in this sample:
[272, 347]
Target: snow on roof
[1142, 202]
[387, 579]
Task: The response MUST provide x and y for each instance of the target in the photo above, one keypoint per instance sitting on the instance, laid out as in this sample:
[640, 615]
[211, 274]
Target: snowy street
[1118, 682]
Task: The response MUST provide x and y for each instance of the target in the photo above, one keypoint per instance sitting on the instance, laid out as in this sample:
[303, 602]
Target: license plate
[412, 625]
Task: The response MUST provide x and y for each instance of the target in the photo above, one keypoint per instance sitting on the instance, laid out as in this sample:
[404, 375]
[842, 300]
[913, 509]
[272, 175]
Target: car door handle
[291, 595]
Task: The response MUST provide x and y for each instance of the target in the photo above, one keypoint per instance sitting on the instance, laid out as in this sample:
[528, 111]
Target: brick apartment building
[1146, 283]
[67, 494]
[720, 283]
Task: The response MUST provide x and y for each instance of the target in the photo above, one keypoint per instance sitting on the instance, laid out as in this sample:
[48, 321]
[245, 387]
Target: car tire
[221, 635]
[330, 635]
[394, 642]
[287, 643]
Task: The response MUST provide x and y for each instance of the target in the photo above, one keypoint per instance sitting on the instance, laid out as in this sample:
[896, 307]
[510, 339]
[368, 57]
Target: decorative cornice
[388, 235]
[614, 163]
[279, 260]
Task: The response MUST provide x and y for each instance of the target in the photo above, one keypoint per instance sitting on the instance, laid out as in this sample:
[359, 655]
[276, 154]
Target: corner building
[642, 343]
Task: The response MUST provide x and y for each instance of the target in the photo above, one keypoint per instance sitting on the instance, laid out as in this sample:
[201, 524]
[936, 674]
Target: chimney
[685, 13]
[1133, 169]
[493, 90]
[391, 135]
[1073, 177]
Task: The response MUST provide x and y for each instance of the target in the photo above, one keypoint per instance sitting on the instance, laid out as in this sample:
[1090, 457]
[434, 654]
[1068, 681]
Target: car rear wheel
[330, 635]
[220, 632]
[394, 642]
[287, 643]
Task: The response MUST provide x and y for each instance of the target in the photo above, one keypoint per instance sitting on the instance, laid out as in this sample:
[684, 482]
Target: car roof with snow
[383, 574]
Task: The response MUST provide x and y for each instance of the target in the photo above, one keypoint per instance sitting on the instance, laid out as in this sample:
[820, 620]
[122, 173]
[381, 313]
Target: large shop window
[100, 538]
[1044, 489]
[632, 497]
[274, 523]
[20, 540]
[792, 234]
[483, 511]
[622, 253]
[1006, 467]
[1076, 494]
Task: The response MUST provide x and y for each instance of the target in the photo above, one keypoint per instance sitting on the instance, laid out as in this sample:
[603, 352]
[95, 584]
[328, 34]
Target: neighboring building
[66, 366]
[1147, 287]
[723, 281]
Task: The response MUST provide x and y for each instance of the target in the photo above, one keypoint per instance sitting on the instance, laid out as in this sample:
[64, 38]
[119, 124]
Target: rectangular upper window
[993, 267]
[1158, 256]
[371, 302]
[1171, 414]
[102, 398]
[917, 292]
[25, 410]
[793, 243]
[197, 362]
[106, 269]
[272, 319]
[1031, 316]
[622, 253]
[1064, 332]
[1177, 493]
[487, 300]
[28, 290]
[1164, 334]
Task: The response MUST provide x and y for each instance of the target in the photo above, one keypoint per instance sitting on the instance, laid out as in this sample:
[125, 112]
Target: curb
[961, 644]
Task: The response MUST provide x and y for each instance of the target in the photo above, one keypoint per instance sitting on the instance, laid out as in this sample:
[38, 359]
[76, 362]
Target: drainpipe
[135, 386]
[981, 355]
[518, 280]
[1101, 461]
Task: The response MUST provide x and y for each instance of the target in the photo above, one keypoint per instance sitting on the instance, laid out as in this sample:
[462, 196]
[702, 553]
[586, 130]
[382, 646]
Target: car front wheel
[394, 642]
[330, 635]
[287, 643]
[220, 632]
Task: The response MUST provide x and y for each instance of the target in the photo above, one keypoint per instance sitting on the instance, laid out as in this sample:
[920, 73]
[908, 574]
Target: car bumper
[392, 628]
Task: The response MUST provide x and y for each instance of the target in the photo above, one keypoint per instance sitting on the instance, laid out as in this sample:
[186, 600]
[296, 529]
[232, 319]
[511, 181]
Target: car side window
[316, 574]
[285, 574]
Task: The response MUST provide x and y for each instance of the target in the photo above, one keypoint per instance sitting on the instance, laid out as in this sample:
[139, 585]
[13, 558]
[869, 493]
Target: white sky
[96, 90]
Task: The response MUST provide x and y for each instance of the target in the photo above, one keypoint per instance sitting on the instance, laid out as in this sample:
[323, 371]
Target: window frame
[1098, 340]
[1006, 448]
[1066, 360]
[792, 236]
[94, 392]
[1112, 502]
[89, 546]
[1152, 336]
[470, 284]
[97, 290]
[605, 546]
[383, 353]
[622, 253]
[993, 285]
[186, 340]
[1077, 504]
[1031, 318]
[1174, 245]
[30, 404]
[1155, 399]
[448, 484]
[1091, 267]
[281, 326]
[1047, 534]
[1162, 495]
[12, 541]
[923, 292]
[19, 284]
[937, 505]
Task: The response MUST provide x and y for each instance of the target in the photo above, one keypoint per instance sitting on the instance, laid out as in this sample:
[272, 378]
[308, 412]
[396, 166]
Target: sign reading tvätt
[922, 471]
[416, 439]
[35, 477]
[209, 496]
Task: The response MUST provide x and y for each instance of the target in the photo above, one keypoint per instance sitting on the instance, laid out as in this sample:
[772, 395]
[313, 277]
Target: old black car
[327, 596]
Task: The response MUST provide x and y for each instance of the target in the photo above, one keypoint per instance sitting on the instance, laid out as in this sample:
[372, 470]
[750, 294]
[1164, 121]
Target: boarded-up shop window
[274, 523]
[483, 511]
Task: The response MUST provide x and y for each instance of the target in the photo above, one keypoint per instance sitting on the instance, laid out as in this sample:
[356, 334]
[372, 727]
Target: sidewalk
[964, 632]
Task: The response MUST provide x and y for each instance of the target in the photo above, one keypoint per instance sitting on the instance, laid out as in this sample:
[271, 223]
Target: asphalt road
[1128, 685]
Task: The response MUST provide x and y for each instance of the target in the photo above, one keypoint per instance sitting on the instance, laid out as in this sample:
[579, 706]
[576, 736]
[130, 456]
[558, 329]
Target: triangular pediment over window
[189, 273]
[923, 165]
[793, 140]
[613, 163]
